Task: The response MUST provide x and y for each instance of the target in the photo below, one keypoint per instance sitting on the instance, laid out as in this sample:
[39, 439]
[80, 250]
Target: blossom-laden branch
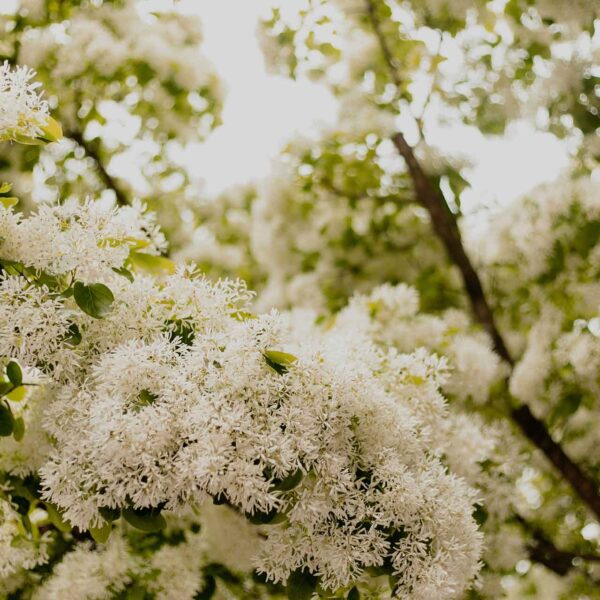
[446, 228]
[107, 179]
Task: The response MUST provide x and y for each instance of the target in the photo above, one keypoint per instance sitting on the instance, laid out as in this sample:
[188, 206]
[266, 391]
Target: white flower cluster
[470, 447]
[175, 568]
[88, 573]
[390, 315]
[33, 326]
[89, 238]
[23, 113]
[128, 43]
[316, 238]
[17, 551]
[177, 393]
[545, 250]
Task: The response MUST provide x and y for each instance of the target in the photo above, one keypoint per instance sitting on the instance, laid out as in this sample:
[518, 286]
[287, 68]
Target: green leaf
[289, 482]
[151, 263]
[480, 514]
[9, 201]
[14, 373]
[124, 272]
[5, 387]
[51, 131]
[101, 534]
[17, 394]
[5, 187]
[28, 141]
[301, 585]
[145, 519]
[7, 421]
[353, 594]
[109, 514]
[56, 518]
[209, 589]
[74, 337]
[94, 299]
[18, 429]
[279, 361]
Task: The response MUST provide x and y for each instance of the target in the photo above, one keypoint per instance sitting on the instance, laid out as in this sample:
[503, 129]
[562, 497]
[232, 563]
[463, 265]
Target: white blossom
[22, 110]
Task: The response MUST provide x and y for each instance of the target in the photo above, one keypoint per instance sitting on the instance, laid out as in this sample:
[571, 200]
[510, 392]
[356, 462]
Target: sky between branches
[262, 111]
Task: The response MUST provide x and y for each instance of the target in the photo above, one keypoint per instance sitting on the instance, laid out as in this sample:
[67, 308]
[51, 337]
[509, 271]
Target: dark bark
[446, 228]
[542, 550]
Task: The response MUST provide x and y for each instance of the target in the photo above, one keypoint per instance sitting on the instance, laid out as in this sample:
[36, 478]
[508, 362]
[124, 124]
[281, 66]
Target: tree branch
[446, 228]
[108, 180]
[542, 550]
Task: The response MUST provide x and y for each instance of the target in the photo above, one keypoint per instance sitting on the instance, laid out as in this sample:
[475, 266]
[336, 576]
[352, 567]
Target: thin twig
[108, 180]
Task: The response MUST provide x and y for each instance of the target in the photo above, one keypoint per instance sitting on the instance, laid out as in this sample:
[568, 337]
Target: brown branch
[108, 180]
[542, 550]
[446, 228]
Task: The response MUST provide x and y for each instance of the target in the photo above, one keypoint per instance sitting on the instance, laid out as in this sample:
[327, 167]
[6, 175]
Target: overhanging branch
[446, 228]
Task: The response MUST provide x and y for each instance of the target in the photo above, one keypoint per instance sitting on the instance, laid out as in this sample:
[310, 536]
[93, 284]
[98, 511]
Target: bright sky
[262, 111]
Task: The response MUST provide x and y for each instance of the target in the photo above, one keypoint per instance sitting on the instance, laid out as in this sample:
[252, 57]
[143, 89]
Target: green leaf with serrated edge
[144, 519]
[7, 421]
[101, 534]
[14, 373]
[56, 518]
[19, 429]
[94, 299]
